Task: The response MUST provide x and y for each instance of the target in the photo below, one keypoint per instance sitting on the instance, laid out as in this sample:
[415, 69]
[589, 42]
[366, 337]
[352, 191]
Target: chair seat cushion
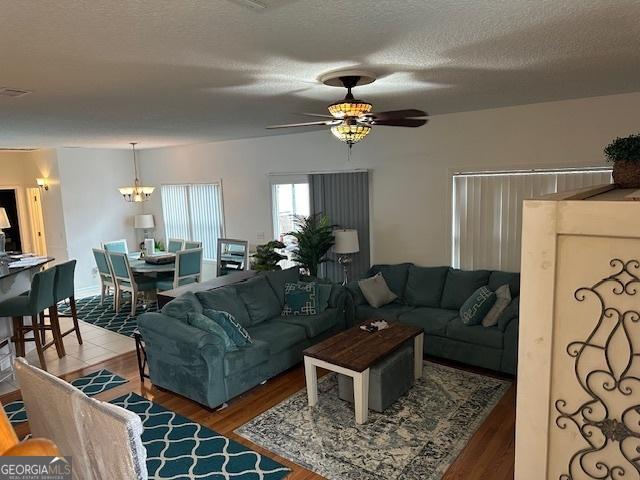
[433, 320]
[16, 307]
[313, 325]
[278, 335]
[389, 312]
[246, 357]
[476, 334]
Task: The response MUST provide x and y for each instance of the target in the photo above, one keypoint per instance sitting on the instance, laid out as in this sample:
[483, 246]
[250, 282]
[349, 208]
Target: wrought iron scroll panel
[606, 365]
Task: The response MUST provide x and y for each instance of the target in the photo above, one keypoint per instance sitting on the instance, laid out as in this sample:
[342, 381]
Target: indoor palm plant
[266, 258]
[625, 155]
[314, 238]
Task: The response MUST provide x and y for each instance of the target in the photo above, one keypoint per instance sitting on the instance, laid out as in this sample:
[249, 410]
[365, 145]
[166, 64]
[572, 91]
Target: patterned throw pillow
[476, 307]
[236, 332]
[503, 299]
[300, 298]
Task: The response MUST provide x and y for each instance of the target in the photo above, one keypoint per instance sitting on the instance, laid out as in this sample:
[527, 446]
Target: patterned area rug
[178, 448]
[90, 311]
[91, 385]
[418, 437]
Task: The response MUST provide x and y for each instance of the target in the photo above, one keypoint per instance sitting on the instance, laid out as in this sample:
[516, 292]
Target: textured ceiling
[167, 72]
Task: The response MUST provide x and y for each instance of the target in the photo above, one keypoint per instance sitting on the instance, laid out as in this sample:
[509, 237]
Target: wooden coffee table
[353, 352]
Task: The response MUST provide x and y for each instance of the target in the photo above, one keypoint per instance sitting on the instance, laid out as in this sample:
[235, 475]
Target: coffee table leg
[361, 396]
[312, 381]
[418, 352]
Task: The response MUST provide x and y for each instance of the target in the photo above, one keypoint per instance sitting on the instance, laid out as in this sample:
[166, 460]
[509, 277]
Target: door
[38, 240]
[9, 202]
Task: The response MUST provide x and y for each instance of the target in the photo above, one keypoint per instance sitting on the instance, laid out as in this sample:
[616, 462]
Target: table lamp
[346, 244]
[144, 222]
[4, 223]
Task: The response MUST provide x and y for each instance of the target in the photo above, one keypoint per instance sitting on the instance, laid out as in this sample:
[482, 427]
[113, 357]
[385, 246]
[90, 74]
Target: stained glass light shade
[349, 108]
[350, 132]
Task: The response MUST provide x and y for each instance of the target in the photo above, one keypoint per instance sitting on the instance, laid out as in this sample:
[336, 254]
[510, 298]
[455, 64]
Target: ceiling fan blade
[306, 124]
[401, 122]
[393, 114]
[321, 115]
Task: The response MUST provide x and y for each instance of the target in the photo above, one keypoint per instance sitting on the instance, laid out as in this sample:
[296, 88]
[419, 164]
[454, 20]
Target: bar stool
[63, 290]
[38, 299]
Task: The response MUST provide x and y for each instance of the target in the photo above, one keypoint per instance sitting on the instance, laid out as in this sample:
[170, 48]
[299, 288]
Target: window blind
[487, 212]
[194, 212]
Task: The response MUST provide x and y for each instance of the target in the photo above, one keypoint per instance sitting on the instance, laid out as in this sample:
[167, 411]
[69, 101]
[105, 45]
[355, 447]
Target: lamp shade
[144, 221]
[4, 220]
[346, 241]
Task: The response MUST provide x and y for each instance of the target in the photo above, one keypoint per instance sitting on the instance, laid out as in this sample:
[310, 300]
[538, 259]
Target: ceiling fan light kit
[351, 119]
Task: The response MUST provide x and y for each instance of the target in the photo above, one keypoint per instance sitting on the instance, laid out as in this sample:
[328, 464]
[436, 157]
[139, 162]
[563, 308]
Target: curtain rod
[533, 170]
[355, 170]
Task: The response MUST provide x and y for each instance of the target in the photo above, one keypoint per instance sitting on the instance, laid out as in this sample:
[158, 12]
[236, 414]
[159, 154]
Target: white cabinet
[578, 406]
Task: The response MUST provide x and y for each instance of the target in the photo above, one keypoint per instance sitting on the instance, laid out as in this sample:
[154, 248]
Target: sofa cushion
[279, 278]
[246, 357]
[459, 286]
[476, 307]
[181, 307]
[356, 294]
[278, 335]
[394, 275]
[227, 300]
[376, 290]
[476, 334]
[498, 278]
[314, 325]
[389, 312]
[425, 285]
[433, 320]
[509, 313]
[234, 330]
[300, 298]
[207, 324]
[261, 301]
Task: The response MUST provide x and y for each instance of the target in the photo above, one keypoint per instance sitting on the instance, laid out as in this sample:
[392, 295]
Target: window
[289, 201]
[194, 212]
[487, 211]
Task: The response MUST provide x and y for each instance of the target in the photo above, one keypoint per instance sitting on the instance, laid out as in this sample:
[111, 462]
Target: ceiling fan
[351, 119]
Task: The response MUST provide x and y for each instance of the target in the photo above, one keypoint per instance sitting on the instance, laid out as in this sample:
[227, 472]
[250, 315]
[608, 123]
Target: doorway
[38, 240]
[9, 202]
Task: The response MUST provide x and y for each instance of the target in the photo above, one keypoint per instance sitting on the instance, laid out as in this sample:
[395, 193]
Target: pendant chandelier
[136, 193]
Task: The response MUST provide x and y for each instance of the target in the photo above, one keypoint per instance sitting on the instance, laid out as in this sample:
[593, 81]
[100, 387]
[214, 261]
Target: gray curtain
[344, 198]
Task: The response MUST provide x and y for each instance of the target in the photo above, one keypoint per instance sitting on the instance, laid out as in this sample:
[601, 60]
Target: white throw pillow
[376, 291]
[503, 299]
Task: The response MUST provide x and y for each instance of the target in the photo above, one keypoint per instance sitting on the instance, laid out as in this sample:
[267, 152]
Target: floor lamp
[346, 244]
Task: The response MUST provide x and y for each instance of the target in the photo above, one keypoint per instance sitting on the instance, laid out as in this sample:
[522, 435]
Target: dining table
[141, 267]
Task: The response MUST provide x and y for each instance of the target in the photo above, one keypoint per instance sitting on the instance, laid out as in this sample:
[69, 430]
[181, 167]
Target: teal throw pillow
[182, 306]
[233, 329]
[300, 298]
[475, 308]
[204, 323]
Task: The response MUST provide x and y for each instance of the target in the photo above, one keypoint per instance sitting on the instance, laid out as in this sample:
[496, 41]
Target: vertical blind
[487, 212]
[194, 212]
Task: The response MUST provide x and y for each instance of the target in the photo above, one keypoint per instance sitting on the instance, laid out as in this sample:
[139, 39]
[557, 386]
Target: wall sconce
[42, 183]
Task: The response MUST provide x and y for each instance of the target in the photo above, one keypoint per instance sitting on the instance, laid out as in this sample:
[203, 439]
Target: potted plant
[314, 238]
[625, 155]
[266, 258]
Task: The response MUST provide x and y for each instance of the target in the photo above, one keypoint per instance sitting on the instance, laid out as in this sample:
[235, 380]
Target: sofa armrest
[509, 314]
[356, 294]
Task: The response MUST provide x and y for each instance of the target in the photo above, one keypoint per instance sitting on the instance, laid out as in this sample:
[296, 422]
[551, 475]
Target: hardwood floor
[488, 455]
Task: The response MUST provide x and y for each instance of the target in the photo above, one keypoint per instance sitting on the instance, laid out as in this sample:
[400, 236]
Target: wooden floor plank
[489, 453]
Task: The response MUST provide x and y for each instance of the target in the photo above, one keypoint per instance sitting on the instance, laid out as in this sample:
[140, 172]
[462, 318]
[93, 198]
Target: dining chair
[188, 269]
[119, 246]
[174, 244]
[107, 282]
[127, 282]
[191, 244]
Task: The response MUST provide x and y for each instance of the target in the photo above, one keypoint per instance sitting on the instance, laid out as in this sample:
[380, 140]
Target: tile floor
[98, 344]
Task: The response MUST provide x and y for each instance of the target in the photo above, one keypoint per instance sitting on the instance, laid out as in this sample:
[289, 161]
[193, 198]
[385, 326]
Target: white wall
[411, 169]
[94, 210]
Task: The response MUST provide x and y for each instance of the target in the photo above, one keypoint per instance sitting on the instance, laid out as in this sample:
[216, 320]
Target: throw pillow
[503, 299]
[376, 291]
[476, 307]
[233, 329]
[300, 298]
[225, 299]
[182, 306]
[204, 323]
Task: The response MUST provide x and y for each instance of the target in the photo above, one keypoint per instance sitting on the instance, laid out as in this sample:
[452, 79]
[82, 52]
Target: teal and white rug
[90, 311]
[91, 385]
[417, 438]
[180, 449]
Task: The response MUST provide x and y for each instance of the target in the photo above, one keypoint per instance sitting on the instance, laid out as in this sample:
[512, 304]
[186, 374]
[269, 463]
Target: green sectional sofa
[431, 297]
[193, 362]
